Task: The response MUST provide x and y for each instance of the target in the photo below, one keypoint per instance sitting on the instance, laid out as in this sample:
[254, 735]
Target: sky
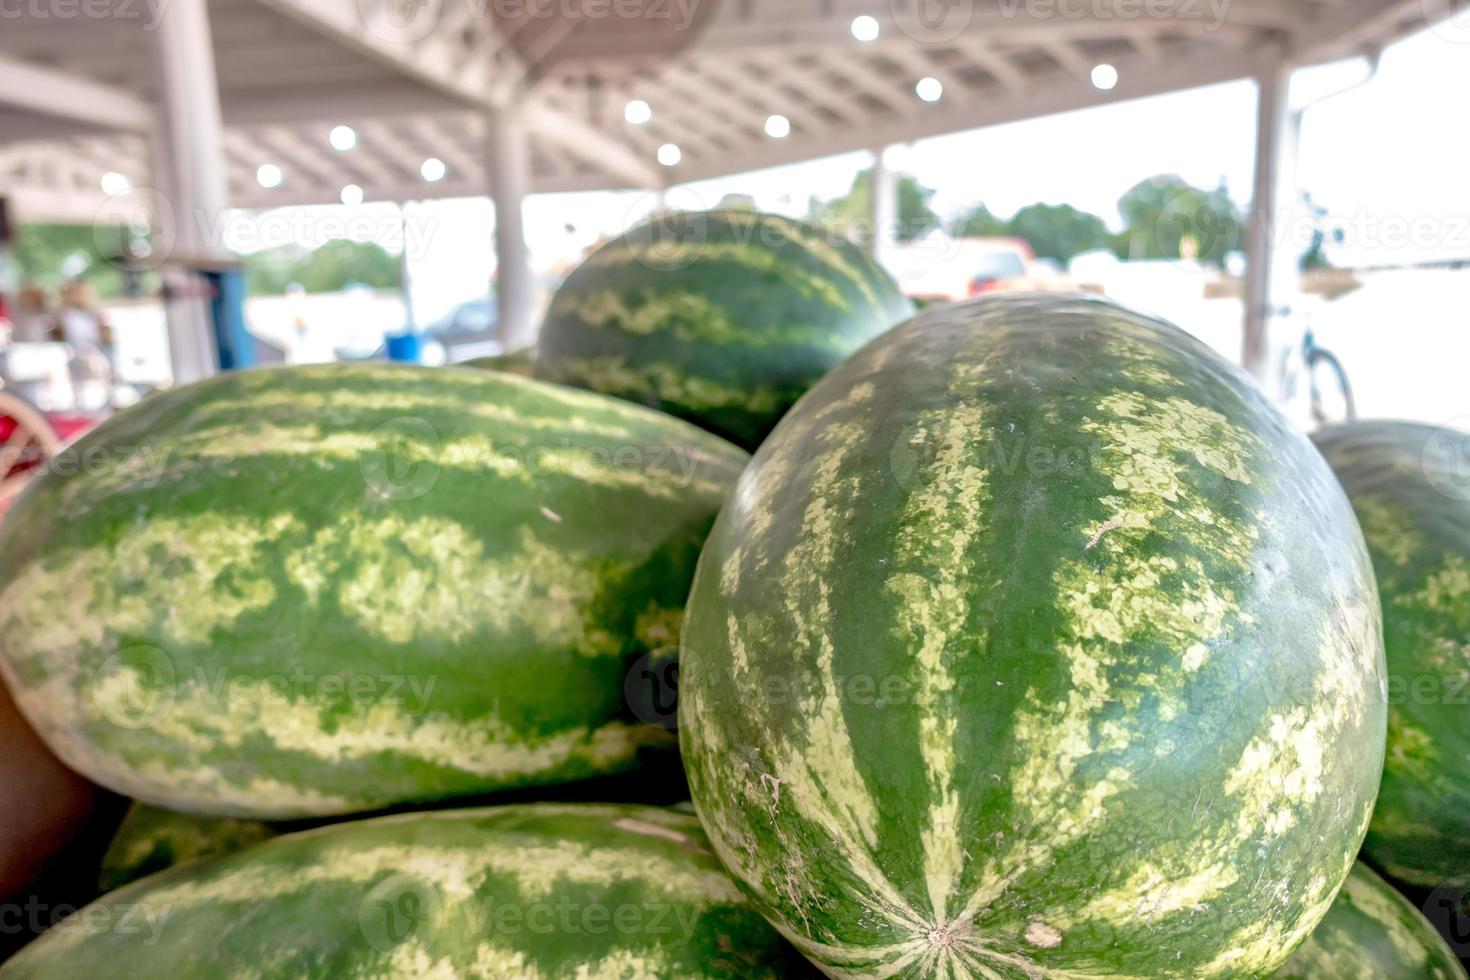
[1390, 159]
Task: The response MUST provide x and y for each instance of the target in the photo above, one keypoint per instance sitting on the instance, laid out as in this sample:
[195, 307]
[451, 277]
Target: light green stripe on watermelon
[724, 318]
[539, 891]
[1406, 482]
[152, 839]
[1372, 933]
[311, 591]
[1034, 643]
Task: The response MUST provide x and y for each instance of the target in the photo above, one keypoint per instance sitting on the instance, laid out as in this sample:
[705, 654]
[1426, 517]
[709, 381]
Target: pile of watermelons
[1031, 642]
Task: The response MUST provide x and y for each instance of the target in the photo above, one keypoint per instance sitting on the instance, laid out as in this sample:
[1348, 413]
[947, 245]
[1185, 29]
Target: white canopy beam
[1352, 26]
[992, 23]
[1062, 94]
[593, 146]
[429, 60]
[47, 91]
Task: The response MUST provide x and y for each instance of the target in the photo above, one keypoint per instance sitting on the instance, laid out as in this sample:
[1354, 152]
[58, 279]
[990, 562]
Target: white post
[884, 207]
[508, 162]
[1269, 268]
[189, 168]
[405, 273]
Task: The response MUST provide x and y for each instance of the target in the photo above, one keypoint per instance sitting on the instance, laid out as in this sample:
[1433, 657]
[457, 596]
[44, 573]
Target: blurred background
[191, 185]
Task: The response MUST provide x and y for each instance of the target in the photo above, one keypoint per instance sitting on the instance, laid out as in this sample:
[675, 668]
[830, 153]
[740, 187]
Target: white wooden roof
[413, 77]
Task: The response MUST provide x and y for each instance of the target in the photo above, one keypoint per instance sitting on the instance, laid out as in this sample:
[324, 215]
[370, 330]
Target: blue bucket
[405, 347]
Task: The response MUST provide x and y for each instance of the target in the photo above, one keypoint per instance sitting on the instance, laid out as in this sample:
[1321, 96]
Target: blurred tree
[1167, 218]
[50, 254]
[269, 271]
[979, 223]
[1054, 231]
[1058, 231]
[327, 269]
[851, 214]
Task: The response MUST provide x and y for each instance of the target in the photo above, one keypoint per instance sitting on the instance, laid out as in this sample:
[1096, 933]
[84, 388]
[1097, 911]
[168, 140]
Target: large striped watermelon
[1034, 643]
[527, 892]
[1372, 933]
[324, 590]
[1408, 484]
[723, 318]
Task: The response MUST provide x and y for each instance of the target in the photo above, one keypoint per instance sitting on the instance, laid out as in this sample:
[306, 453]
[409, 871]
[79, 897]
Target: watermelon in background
[1411, 489]
[723, 318]
[1372, 933]
[320, 590]
[152, 839]
[540, 891]
[521, 362]
[1034, 642]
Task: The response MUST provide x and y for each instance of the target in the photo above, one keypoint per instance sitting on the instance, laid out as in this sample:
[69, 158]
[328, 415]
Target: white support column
[1270, 269]
[405, 272]
[507, 158]
[189, 169]
[884, 205]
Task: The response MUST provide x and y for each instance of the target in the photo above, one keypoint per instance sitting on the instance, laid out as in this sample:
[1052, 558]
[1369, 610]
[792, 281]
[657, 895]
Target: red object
[67, 427]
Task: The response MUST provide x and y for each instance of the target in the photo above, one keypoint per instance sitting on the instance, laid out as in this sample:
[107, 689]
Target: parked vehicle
[468, 331]
[937, 268]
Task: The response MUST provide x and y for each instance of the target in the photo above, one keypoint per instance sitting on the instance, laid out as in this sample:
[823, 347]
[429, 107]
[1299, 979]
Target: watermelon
[152, 839]
[1372, 933]
[535, 891]
[723, 318]
[1407, 483]
[522, 362]
[323, 590]
[1033, 642]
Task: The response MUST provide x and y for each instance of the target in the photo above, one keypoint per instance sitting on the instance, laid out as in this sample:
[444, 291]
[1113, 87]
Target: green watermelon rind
[723, 318]
[1372, 933]
[1034, 640]
[152, 839]
[310, 591]
[1406, 488]
[535, 892]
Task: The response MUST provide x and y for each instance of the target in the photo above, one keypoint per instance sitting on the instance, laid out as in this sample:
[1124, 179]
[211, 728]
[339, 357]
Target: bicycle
[29, 439]
[1317, 363]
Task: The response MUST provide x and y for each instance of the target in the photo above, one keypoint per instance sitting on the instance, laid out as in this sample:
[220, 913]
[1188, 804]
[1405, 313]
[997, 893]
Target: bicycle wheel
[31, 442]
[1319, 357]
